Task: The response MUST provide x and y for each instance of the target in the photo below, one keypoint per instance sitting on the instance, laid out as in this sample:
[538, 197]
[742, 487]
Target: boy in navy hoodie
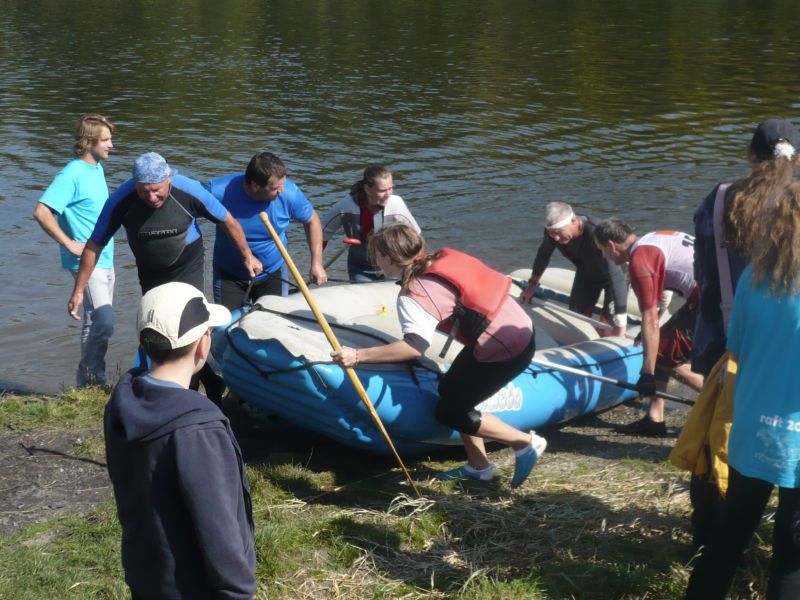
[179, 481]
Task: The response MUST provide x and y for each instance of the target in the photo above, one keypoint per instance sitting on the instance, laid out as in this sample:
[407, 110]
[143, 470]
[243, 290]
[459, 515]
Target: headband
[563, 222]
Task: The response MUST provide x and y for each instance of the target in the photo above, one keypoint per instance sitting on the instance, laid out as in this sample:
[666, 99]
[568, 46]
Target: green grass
[331, 527]
[76, 408]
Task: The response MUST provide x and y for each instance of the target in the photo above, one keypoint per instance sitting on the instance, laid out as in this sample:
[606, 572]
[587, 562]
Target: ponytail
[404, 247]
[752, 198]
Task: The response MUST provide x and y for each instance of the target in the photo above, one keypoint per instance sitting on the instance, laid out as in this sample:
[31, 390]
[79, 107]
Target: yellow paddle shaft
[351, 374]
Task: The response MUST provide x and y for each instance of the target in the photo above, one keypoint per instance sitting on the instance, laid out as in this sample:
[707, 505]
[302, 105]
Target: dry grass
[602, 516]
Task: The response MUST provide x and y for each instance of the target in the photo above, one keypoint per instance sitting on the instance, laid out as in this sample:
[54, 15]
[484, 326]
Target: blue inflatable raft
[275, 357]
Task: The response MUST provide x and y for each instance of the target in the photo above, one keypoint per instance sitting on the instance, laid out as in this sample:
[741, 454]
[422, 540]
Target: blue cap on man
[151, 167]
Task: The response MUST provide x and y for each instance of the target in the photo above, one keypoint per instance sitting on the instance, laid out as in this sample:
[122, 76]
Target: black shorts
[469, 382]
[234, 292]
[675, 338]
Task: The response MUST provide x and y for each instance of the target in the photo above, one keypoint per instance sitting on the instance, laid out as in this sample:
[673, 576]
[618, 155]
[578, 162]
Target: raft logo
[507, 399]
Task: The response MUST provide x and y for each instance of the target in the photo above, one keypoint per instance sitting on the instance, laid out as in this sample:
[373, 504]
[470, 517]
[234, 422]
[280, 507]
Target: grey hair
[555, 212]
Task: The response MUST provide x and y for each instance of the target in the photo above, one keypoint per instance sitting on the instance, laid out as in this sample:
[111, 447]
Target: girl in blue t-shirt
[764, 447]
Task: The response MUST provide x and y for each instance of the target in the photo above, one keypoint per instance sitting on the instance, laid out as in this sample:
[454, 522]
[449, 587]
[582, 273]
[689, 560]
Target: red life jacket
[482, 291]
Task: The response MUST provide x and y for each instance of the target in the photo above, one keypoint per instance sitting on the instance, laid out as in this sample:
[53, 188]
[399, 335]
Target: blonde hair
[776, 253]
[751, 199]
[88, 132]
[404, 247]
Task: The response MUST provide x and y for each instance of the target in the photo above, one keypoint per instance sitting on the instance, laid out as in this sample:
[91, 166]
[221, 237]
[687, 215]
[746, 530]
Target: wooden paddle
[351, 374]
[618, 382]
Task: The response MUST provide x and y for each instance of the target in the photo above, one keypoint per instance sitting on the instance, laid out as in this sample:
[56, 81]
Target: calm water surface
[485, 111]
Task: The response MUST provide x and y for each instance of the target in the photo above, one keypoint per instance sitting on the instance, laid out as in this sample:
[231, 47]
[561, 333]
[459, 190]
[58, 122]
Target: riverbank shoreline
[603, 515]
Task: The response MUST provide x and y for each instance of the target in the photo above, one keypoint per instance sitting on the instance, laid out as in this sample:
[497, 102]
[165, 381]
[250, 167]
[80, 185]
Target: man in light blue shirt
[67, 212]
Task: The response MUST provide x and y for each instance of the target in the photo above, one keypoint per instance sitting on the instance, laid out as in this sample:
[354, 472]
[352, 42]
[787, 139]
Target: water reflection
[485, 112]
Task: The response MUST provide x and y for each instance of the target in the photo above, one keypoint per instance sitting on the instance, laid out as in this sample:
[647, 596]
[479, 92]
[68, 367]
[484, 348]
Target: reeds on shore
[602, 516]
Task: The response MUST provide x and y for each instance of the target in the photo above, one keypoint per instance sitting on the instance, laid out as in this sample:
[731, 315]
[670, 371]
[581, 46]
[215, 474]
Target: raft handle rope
[543, 366]
[410, 365]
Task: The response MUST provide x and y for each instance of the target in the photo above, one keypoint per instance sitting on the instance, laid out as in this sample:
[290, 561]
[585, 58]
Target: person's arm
[398, 351]
[540, 263]
[313, 229]
[618, 289]
[651, 334]
[210, 484]
[89, 256]
[48, 222]
[530, 290]
[234, 231]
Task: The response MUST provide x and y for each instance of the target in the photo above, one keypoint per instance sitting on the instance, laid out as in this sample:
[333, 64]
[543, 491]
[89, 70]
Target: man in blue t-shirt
[263, 187]
[68, 211]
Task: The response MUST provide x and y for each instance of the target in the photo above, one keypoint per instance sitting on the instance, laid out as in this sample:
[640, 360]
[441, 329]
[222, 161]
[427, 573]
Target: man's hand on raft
[345, 357]
[317, 274]
[253, 265]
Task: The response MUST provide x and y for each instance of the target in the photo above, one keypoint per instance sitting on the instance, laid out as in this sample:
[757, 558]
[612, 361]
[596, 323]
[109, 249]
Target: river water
[485, 111]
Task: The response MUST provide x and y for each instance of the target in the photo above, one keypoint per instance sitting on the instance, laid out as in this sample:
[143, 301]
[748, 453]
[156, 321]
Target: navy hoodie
[181, 491]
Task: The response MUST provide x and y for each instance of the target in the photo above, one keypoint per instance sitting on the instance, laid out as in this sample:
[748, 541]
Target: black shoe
[644, 426]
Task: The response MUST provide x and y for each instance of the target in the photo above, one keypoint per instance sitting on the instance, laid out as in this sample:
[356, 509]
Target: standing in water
[68, 211]
[263, 187]
[370, 205]
[450, 290]
[159, 210]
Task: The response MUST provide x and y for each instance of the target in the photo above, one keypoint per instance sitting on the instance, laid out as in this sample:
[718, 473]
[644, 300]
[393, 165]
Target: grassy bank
[601, 517]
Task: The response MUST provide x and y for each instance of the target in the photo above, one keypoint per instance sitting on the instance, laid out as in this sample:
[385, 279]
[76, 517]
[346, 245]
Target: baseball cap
[180, 313]
[151, 167]
[769, 133]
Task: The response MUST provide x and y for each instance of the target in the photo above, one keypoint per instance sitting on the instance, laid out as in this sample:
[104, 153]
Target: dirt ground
[42, 476]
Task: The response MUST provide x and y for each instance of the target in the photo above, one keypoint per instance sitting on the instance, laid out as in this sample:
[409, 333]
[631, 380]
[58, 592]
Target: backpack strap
[723, 265]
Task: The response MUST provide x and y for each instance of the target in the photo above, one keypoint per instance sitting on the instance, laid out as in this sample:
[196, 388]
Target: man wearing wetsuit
[263, 187]
[572, 235]
[159, 210]
[657, 261]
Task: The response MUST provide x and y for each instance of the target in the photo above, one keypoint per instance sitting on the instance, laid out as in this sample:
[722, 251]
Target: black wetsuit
[593, 273]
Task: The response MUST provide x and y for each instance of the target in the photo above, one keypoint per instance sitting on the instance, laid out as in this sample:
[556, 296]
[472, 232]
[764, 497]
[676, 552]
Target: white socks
[486, 474]
[538, 444]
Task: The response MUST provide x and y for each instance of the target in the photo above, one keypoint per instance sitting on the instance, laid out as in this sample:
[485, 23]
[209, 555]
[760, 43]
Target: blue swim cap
[151, 167]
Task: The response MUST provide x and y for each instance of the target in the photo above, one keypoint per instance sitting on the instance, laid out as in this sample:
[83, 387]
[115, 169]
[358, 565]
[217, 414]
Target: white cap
[180, 313]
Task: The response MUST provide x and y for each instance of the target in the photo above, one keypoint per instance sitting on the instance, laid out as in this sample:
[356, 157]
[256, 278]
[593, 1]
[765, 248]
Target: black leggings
[739, 518]
[468, 382]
